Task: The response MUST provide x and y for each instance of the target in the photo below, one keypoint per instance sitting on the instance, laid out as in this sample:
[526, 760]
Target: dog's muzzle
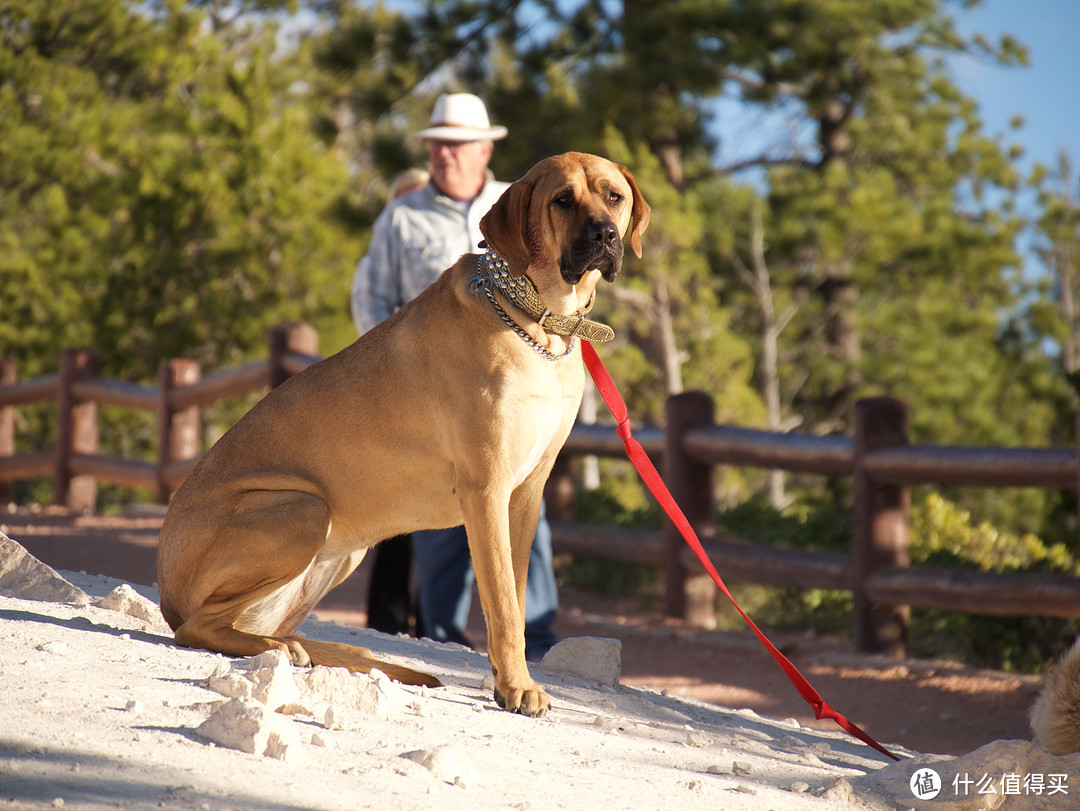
[598, 247]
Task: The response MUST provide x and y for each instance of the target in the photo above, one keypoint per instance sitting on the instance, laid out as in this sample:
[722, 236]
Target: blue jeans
[445, 577]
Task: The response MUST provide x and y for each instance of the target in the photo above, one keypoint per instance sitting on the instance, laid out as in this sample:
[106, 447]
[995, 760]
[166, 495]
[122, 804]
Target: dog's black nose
[603, 233]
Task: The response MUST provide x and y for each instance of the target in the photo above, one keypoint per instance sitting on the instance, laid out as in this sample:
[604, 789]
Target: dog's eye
[565, 200]
[615, 197]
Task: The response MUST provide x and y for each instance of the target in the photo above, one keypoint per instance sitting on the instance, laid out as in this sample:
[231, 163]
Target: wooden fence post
[879, 527]
[179, 431]
[9, 374]
[76, 430]
[288, 338]
[689, 596]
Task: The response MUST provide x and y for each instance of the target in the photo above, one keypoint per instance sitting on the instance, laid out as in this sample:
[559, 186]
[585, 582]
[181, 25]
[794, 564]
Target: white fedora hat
[460, 117]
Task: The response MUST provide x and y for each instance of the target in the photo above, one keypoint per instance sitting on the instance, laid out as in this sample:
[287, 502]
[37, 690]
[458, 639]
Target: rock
[227, 682]
[590, 657]
[839, 792]
[252, 727]
[449, 763]
[1002, 772]
[26, 578]
[284, 744]
[337, 718]
[348, 698]
[698, 740]
[266, 678]
[126, 600]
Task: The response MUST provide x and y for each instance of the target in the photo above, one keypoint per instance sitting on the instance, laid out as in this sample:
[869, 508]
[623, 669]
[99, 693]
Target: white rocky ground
[98, 709]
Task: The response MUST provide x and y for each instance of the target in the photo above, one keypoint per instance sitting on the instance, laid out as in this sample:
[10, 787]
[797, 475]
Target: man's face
[458, 167]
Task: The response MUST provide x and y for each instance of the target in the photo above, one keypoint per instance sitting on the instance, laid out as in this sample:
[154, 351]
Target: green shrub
[620, 500]
[944, 535]
[812, 522]
[823, 611]
[809, 523]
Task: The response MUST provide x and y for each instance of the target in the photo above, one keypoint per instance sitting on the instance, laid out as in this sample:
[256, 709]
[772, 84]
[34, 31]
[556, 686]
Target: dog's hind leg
[214, 630]
[232, 572]
[203, 630]
[251, 603]
[355, 658]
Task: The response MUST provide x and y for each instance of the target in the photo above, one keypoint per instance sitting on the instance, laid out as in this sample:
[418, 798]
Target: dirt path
[925, 706]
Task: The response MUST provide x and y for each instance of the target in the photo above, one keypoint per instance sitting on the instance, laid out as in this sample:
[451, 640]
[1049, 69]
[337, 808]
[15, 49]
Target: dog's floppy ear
[505, 226]
[640, 213]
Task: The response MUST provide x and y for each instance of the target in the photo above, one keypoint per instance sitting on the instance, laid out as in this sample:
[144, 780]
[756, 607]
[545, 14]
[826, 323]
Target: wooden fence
[879, 457]
[877, 571]
[78, 389]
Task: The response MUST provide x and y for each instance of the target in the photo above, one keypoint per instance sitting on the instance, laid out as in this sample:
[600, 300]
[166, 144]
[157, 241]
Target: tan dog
[442, 414]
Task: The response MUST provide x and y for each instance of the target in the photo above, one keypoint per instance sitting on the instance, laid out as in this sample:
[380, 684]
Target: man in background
[416, 237]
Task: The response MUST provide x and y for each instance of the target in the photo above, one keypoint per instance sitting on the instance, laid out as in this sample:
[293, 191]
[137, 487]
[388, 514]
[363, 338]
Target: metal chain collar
[511, 287]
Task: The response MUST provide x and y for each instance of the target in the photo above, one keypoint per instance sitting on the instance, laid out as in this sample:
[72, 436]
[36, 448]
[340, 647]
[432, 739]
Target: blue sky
[1046, 92]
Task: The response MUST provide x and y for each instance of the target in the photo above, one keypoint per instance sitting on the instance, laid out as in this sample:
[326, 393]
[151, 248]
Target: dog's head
[567, 216]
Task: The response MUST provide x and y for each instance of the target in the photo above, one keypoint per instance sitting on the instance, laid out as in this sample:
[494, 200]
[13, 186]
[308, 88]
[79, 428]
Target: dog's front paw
[531, 701]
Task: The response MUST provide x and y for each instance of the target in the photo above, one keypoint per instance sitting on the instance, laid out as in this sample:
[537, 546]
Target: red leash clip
[645, 468]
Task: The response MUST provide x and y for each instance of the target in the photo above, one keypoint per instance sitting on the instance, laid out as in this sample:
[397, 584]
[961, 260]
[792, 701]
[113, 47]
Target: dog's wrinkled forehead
[588, 180]
[556, 199]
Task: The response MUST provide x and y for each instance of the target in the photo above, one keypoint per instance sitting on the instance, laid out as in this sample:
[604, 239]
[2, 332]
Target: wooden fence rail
[878, 457]
[178, 398]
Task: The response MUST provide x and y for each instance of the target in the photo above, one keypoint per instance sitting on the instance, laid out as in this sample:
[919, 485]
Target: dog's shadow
[84, 624]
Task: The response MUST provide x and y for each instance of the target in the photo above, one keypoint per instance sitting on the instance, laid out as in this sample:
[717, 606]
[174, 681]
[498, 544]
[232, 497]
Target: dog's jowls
[441, 415]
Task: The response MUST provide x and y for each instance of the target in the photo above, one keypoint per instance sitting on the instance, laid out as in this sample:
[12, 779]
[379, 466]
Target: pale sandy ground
[99, 709]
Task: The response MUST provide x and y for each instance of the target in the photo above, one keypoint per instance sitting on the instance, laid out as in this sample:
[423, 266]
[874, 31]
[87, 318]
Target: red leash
[656, 486]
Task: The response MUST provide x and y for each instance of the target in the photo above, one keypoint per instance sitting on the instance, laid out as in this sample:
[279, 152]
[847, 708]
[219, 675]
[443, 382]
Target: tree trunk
[843, 343]
[758, 280]
[1064, 258]
[669, 346]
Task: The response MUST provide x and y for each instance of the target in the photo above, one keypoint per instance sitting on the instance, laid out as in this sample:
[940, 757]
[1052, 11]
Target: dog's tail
[360, 660]
[1055, 716]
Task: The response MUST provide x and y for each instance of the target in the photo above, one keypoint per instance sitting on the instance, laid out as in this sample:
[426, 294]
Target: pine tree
[1057, 314]
[164, 193]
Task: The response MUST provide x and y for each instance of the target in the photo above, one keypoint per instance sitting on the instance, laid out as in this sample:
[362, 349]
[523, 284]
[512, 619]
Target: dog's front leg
[487, 522]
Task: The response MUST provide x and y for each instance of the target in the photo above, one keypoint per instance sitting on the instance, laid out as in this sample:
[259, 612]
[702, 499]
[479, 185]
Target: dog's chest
[546, 425]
